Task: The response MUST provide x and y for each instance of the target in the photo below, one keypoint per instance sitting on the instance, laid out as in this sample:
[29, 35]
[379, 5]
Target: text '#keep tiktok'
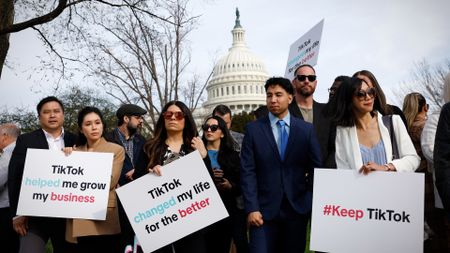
[370, 213]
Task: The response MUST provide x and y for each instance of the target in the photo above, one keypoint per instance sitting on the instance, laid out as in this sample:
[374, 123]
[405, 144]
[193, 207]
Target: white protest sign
[380, 212]
[305, 50]
[163, 209]
[74, 186]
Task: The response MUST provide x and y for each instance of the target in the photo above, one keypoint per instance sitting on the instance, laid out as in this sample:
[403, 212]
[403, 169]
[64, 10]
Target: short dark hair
[47, 100]
[304, 65]
[281, 81]
[85, 111]
[221, 110]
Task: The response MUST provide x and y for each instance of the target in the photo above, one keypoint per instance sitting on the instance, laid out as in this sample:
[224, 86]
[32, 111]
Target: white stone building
[238, 78]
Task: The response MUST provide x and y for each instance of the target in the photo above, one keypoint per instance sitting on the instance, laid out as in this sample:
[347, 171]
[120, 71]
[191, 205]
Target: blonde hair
[412, 105]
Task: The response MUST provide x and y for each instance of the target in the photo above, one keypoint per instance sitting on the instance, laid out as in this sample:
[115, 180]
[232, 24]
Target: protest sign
[305, 50]
[163, 209]
[74, 186]
[380, 212]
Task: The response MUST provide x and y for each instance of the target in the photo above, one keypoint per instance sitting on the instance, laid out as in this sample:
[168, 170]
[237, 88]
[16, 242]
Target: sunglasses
[207, 127]
[361, 94]
[169, 114]
[302, 78]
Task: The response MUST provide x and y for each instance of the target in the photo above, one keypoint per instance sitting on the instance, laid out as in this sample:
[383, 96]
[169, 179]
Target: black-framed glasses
[332, 90]
[207, 127]
[362, 94]
[302, 78]
[178, 115]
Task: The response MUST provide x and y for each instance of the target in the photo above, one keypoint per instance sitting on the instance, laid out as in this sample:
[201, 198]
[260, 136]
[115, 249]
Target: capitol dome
[238, 77]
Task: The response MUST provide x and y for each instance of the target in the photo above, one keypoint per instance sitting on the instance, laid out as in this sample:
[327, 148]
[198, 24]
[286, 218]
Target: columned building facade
[238, 77]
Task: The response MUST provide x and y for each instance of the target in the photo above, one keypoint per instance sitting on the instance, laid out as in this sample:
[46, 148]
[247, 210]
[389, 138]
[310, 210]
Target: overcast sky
[386, 37]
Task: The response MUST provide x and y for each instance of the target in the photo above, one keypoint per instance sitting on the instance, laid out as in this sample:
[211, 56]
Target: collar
[273, 120]
[49, 136]
[9, 147]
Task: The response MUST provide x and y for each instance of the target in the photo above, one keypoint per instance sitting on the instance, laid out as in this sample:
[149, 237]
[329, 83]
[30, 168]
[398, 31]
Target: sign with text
[305, 50]
[380, 212]
[163, 209]
[74, 186]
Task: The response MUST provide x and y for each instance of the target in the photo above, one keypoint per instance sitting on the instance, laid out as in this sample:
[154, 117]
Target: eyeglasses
[207, 127]
[302, 78]
[361, 94]
[178, 115]
[332, 90]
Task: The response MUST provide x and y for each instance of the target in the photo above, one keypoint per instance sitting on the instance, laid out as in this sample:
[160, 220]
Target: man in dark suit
[35, 231]
[306, 108]
[279, 153]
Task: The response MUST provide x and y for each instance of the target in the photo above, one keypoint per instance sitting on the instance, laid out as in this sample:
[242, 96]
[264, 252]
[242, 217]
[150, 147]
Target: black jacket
[36, 140]
[442, 156]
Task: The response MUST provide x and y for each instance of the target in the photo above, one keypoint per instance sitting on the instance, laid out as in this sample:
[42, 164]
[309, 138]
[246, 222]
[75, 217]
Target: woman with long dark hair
[225, 163]
[175, 136]
[362, 141]
[97, 235]
[380, 100]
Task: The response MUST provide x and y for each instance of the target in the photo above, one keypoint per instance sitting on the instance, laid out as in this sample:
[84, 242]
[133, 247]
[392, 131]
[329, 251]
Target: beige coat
[110, 226]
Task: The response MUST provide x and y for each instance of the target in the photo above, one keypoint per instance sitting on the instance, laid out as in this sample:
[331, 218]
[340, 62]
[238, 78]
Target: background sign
[380, 212]
[163, 209]
[74, 186]
[305, 50]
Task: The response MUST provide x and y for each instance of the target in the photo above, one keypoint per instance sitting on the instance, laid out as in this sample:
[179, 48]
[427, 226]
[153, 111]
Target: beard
[132, 129]
[306, 91]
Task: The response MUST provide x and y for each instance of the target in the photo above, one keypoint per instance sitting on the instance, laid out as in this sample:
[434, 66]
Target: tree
[240, 120]
[74, 99]
[35, 13]
[426, 79]
[143, 62]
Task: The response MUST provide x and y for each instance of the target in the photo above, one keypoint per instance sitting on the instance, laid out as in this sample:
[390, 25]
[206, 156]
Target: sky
[386, 37]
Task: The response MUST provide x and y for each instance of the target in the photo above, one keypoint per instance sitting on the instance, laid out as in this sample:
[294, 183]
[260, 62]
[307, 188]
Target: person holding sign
[226, 165]
[175, 136]
[363, 142]
[279, 153]
[36, 231]
[97, 235]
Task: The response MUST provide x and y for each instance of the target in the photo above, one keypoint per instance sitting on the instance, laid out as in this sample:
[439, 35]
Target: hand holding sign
[163, 209]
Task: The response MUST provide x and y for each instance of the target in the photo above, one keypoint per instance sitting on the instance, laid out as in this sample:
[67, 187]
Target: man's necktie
[283, 137]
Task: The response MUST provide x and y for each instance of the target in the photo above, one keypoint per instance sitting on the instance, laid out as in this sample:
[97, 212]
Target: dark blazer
[266, 179]
[36, 140]
[325, 131]
[442, 156]
[138, 147]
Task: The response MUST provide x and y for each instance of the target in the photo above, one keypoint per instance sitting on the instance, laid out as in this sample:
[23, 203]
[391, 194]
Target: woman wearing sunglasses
[226, 164]
[175, 136]
[380, 100]
[362, 141]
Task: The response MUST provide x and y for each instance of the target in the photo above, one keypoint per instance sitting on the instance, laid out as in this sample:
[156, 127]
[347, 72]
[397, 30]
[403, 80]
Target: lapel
[267, 131]
[357, 158]
[294, 110]
[41, 141]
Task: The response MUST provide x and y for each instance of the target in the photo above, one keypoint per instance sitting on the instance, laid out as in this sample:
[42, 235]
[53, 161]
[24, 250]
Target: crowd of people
[264, 176]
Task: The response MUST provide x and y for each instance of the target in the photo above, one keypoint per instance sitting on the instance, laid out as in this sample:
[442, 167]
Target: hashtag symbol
[327, 210]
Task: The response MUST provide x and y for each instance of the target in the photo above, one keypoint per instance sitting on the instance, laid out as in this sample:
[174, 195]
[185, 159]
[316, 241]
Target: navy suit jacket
[325, 130]
[266, 179]
[36, 140]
